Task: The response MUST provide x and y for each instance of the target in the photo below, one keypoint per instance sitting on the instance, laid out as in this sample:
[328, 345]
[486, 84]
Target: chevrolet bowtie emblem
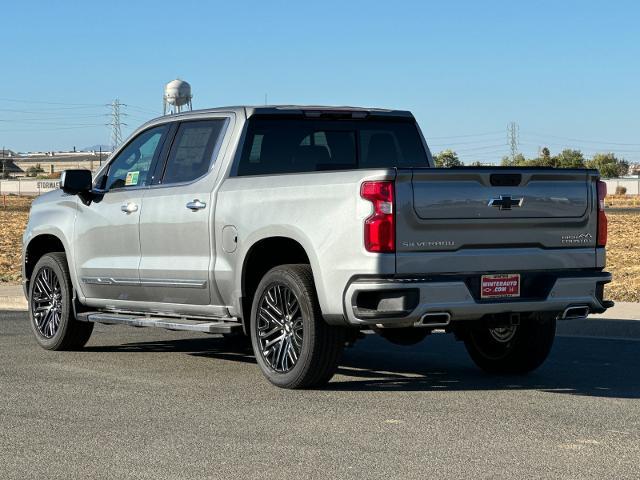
[505, 202]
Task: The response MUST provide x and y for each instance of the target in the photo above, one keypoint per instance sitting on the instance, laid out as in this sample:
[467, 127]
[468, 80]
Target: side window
[131, 167]
[293, 146]
[192, 150]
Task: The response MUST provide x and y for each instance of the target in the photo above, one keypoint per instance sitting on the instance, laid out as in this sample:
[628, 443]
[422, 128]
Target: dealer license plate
[500, 286]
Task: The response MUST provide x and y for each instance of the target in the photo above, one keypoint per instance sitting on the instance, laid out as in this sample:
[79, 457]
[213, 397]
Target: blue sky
[567, 72]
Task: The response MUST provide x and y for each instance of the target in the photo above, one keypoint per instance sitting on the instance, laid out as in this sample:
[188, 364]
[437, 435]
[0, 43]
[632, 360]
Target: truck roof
[308, 110]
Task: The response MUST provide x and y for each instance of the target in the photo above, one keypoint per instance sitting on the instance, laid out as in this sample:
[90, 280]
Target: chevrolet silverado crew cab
[300, 226]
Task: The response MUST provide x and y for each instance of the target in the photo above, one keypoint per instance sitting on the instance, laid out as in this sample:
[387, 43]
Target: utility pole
[3, 161]
[116, 123]
[513, 134]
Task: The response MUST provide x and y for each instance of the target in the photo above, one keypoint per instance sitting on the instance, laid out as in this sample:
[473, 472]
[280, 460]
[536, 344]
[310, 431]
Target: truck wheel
[403, 336]
[293, 345]
[51, 306]
[516, 349]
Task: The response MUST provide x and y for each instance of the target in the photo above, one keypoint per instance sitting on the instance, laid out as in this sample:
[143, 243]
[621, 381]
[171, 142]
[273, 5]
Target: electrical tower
[116, 123]
[513, 134]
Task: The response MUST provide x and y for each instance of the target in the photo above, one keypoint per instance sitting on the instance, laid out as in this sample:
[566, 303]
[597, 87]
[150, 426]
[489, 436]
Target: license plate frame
[501, 285]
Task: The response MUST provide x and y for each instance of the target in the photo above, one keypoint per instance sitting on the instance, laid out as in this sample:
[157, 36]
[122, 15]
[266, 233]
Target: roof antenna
[265, 99]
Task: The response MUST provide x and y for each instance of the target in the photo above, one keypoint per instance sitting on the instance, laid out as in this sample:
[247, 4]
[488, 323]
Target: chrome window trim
[144, 282]
[214, 154]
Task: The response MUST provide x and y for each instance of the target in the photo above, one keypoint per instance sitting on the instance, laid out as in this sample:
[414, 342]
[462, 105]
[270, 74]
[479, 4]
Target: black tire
[403, 336]
[60, 330]
[519, 351]
[318, 344]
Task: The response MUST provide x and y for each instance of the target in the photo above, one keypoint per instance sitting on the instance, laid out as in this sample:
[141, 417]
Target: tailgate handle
[505, 179]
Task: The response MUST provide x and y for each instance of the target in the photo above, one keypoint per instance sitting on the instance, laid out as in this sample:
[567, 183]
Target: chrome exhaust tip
[575, 313]
[434, 320]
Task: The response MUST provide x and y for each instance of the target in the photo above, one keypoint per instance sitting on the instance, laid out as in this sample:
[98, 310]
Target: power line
[474, 149]
[473, 142]
[468, 135]
[602, 142]
[19, 119]
[41, 122]
[143, 110]
[53, 128]
[15, 100]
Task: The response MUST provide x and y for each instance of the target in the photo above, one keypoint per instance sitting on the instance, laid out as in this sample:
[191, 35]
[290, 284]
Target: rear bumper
[403, 302]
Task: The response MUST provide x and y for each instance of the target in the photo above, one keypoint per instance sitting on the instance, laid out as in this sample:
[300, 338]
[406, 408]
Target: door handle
[129, 207]
[196, 205]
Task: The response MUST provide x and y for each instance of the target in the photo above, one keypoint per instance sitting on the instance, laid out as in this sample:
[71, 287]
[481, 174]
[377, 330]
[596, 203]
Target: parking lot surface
[143, 403]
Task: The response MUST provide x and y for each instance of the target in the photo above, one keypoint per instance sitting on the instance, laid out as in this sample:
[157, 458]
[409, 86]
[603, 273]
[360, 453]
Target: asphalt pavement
[145, 403]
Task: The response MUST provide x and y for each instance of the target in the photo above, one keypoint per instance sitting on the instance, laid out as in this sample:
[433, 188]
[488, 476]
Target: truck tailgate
[486, 216]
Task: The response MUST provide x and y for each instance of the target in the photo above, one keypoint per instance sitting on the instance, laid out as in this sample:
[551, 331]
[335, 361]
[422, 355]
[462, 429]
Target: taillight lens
[602, 217]
[379, 227]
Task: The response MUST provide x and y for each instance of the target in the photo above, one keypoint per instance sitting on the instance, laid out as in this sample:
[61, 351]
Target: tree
[609, 165]
[447, 159]
[517, 161]
[543, 160]
[34, 171]
[570, 159]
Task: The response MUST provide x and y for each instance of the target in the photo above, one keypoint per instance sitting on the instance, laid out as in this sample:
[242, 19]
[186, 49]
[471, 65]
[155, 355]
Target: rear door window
[193, 150]
[280, 145]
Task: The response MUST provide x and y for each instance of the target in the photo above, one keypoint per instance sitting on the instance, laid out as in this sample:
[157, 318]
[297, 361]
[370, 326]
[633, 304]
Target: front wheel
[514, 349]
[51, 306]
[293, 345]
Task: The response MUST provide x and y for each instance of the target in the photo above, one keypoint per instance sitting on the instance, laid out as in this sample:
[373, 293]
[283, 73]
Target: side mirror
[76, 181]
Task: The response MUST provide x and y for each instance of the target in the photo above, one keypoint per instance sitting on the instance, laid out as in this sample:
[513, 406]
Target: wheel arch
[38, 246]
[263, 255]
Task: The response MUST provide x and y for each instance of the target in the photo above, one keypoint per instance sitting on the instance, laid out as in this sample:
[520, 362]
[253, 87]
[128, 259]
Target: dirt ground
[623, 249]
[623, 256]
[13, 219]
[622, 201]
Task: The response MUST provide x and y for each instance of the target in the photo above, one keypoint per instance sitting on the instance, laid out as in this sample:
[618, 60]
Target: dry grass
[623, 256]
[13, 219]
[623, 253]
[622, 201]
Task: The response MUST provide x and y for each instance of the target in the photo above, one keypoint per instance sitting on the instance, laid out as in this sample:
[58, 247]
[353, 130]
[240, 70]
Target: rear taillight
[379, 227]
[602, 217]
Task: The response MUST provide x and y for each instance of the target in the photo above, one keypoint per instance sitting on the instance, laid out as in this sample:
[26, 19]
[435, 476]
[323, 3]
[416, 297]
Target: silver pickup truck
[301, 226]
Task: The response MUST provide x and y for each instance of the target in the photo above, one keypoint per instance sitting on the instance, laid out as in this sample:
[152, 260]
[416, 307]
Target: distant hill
[96, 148]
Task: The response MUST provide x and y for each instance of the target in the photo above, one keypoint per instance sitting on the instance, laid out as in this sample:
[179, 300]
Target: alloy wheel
[46, 302]
[280, 328]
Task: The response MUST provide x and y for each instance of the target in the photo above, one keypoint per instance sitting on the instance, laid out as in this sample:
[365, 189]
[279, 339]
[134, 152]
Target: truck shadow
[577, 366]
[585, 366]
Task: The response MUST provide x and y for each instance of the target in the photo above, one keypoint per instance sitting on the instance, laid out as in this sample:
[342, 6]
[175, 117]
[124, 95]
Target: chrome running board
[226, 325]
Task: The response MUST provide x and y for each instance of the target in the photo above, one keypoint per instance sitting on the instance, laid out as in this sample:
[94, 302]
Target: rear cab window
[276, 145]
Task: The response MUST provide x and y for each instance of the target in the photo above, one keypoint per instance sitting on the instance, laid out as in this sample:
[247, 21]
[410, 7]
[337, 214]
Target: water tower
[177, 94]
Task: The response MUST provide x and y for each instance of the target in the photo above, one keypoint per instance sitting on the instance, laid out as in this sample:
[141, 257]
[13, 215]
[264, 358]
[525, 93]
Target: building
[7, 167]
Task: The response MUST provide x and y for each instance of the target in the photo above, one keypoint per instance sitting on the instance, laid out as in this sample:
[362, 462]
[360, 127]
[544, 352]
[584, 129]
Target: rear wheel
[51, 306]
[513, 349]
[293, 345]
